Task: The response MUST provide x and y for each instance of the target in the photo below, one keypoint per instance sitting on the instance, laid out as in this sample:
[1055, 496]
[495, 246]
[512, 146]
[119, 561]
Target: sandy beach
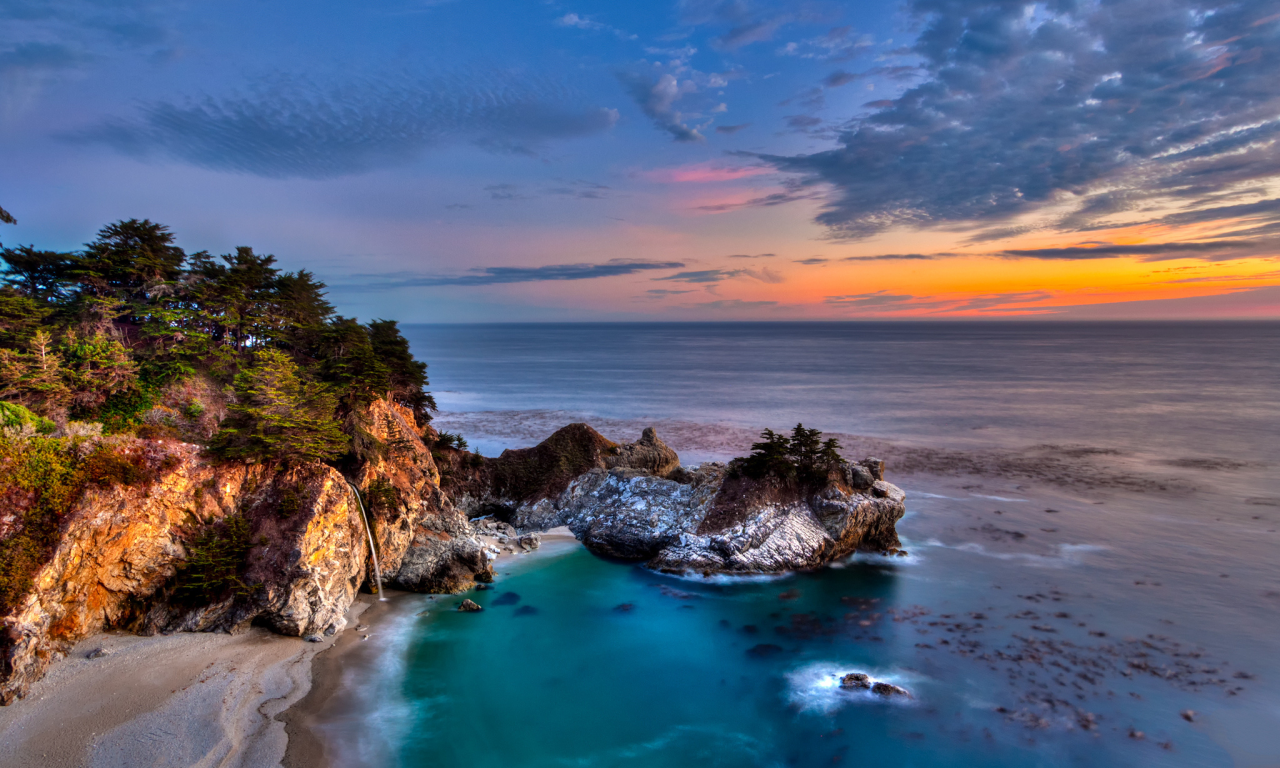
[246, 700]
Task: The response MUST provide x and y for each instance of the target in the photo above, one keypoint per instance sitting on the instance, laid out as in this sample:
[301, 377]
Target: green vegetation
[803, 457]
[216, 560]
[107, 333]
[15, 416]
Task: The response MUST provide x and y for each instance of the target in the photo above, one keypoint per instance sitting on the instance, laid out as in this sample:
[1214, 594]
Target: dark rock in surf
[888, 689]
[855, 681]
[469, 607]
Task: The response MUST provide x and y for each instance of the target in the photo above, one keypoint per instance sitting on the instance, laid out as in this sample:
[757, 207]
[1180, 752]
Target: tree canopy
[804, 456]
[100, 333]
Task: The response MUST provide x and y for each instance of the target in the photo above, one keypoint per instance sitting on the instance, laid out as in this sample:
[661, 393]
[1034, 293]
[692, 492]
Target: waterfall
[373, 552]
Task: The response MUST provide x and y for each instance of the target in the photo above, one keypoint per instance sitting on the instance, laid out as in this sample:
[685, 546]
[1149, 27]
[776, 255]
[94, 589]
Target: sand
[210, 699]
[176, 700]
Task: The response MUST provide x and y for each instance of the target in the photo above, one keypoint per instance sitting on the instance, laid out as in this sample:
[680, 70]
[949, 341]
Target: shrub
[217, 557]
[14, 415]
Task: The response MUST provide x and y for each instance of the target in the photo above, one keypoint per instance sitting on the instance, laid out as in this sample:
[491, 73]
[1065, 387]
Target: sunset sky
[488, 160]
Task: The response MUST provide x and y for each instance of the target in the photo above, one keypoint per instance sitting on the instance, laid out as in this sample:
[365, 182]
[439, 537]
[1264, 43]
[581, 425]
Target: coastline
[329, 696]
[173, 699]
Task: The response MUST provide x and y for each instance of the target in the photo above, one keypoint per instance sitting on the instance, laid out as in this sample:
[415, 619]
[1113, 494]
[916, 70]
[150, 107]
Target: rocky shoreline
[439, 517]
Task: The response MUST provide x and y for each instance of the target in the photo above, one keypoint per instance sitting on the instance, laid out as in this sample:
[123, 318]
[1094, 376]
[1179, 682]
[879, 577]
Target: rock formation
[635, 502]
[122, 557]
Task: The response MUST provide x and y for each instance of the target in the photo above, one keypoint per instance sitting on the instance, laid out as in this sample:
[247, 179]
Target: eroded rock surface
[634, 502]
[120, 552]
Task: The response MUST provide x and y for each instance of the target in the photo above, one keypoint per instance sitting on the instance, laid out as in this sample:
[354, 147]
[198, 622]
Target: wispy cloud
[291, 127]
[705, 173]
[900, 257]
[813, 260]
[764, 275]
[501, 275]
[1211, 250]
[884, 302]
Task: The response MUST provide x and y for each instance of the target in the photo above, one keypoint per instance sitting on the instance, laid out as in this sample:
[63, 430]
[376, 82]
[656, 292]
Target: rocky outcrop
[634, 502]
[425, 543]
[123, 555]
[519, 485]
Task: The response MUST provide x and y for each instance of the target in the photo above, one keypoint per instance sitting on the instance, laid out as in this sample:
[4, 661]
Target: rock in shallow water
[469, 607]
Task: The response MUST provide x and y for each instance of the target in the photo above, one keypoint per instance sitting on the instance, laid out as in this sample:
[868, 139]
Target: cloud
[789, 195]
[293, 128]
[502, 275]
[1103, 107]
[879, 302]
[840, 77]
[752, 256]
[1272, 275]
[731, 304]
[39, 56]
[702, 173]
[898, 257]
[839, 44]
[658, 293]
[582, 22]
[764, 275]
[729, 130]
[803, 122]
[751, 21]
[812, 261]
[657, 98]
[1210, 250]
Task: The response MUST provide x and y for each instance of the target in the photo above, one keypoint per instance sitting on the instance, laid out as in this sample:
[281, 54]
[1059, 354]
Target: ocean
[1093, 575]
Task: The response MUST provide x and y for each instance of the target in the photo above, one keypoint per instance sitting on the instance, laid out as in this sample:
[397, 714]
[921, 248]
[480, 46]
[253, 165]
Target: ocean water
[1093, 575]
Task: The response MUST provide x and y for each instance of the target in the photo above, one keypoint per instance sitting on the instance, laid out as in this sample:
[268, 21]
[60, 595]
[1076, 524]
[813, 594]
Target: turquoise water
[1033, 624]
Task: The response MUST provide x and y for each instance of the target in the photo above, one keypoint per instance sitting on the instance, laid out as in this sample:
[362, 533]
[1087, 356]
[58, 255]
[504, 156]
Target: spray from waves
[816, 687]
[997, 498]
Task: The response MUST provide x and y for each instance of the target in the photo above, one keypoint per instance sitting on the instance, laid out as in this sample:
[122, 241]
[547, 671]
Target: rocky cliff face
[635, 502]
[128, 556]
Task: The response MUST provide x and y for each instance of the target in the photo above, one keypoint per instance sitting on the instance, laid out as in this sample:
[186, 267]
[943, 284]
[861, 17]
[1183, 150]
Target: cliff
[171, 540]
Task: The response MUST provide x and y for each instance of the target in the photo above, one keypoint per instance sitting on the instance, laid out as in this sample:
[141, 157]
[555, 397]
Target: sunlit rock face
[119, 557]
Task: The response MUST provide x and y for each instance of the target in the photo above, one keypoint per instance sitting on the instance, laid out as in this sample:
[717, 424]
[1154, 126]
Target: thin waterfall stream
[373, 551]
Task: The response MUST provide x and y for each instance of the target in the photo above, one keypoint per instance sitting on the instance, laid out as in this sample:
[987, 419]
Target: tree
[43, 275]
[803, 456]
[278, 416]
[128, 258]
[407, 376]
[348, 361]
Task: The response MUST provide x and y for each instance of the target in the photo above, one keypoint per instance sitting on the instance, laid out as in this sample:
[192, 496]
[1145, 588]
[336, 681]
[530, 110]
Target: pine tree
[278, 416]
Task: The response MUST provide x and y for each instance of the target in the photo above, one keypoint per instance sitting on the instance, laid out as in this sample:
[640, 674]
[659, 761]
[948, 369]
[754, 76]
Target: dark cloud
[764, 275]
[812, 261]
[658, 293]
[1212, 249]
[656, 97]
[499, 275]
[803, 121]
[840, 77]
[294, 128]
[898, 257]
[883, 301]
[1113, 107]
[731, 129]
[33, 56]
[752, 256]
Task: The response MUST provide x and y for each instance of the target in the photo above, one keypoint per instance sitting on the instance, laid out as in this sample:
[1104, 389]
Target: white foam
[1069, 555]
[997, 498]
[816, 687]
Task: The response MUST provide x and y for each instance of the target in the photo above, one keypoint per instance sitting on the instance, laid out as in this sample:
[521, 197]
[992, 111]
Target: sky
[670, 160]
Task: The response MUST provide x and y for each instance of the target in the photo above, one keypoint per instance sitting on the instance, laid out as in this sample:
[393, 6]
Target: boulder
[888, 690]
[469, 607]
[855, 681]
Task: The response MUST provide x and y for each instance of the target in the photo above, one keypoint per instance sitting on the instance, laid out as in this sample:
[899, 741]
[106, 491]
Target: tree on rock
[278, 416]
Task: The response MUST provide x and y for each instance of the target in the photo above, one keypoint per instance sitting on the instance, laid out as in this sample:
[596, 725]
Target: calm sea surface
[1037, 622]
